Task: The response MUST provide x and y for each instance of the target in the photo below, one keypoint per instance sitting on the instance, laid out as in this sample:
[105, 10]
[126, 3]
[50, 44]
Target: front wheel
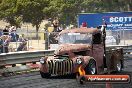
[44, 75]
[91, 67]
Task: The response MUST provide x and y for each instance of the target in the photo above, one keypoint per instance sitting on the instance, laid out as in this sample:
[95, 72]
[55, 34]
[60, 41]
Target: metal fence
[124, 37]
[29, 40]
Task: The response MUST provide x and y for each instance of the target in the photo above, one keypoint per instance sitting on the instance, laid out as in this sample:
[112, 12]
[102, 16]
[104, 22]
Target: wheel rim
[93, 68]
[119, 66]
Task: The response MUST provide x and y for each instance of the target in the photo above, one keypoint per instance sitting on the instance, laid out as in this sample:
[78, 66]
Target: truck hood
[67, 48]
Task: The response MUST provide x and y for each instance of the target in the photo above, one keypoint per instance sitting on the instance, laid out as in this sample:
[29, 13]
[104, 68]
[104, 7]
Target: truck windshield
[75, 38]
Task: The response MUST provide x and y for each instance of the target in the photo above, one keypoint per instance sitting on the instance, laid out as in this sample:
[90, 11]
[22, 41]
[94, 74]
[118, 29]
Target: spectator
[23, 45]
[6, 30]
[1, 45]
[56, 24]
[13, 34]
[5, 40]
[6, 44]
[21, 38]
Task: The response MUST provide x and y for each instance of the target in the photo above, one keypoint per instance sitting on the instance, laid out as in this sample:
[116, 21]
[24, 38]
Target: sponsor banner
[118, 22]
[105, 78]
[114, 20]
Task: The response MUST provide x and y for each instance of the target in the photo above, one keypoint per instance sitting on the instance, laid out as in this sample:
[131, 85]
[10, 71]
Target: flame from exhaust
[81, 71]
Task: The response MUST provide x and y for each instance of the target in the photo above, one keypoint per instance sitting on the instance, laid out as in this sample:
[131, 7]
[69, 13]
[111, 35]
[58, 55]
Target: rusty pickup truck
[82, 51]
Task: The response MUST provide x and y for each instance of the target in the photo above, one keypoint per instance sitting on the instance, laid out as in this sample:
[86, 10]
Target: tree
[32, 11]
[65, 10]
[8, 12]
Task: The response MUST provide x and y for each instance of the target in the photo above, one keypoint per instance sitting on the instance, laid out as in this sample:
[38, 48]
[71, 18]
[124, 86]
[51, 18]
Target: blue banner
[114, 20]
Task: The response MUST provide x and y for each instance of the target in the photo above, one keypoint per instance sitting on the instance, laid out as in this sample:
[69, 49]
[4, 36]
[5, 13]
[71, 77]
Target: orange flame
[81, 70]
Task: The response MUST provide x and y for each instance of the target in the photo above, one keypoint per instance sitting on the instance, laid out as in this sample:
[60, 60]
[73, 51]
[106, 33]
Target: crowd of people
[7, 35]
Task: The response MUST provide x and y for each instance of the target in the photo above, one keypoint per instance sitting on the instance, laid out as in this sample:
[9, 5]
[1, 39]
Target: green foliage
[8, 12]
[34, 11]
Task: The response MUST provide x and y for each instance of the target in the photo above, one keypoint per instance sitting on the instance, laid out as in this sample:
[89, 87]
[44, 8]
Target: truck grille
[60, 67]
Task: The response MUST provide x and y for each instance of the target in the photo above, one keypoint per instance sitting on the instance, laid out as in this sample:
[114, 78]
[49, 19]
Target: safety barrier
[21, 61]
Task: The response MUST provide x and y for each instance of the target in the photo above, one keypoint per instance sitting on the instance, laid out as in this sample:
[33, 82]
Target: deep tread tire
[44, 75]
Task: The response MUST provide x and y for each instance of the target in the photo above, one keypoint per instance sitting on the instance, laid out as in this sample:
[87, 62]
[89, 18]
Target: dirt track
[33, 80]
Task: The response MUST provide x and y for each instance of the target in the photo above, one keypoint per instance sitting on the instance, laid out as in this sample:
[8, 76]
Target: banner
[114, 20]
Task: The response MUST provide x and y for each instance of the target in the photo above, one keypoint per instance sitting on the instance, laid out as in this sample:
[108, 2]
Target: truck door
[98, 51]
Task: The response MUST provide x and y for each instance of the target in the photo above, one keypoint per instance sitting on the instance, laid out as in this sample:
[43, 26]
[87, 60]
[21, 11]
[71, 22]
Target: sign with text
[114, 20]
[105, 78]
